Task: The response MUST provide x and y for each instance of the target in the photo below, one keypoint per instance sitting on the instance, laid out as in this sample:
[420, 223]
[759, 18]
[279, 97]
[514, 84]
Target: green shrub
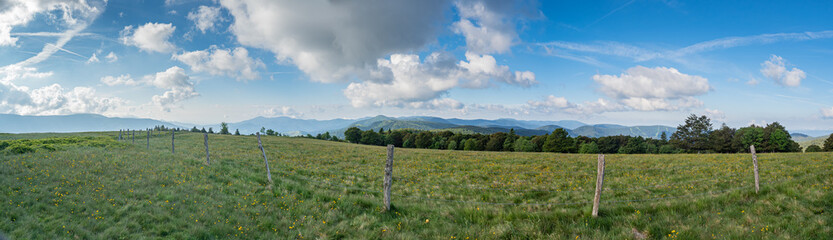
[20, 149]
[4, 145]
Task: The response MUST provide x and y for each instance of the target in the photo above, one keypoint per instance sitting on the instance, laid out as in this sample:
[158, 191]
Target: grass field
[330, 190]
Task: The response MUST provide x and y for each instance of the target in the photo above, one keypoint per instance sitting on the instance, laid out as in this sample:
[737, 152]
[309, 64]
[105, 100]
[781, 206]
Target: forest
[695, 135]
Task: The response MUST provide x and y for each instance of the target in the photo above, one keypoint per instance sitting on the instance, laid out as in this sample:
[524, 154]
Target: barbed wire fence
[293, 174]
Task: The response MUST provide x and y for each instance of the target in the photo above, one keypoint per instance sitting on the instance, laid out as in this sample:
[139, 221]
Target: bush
[4, 145]
[20, 149]
[813, 148]
[667, 148]
[588, 148]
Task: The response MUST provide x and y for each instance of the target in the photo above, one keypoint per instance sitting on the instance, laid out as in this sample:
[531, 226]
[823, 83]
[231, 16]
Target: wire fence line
[296, 176]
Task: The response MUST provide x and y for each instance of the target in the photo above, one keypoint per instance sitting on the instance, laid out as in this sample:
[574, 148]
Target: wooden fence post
[755, 164]
[388, 176]
[207, 158]
[148, 133]
[119, 134]
[173, 147]
[260, 145]
[133, 138]
[600, 177]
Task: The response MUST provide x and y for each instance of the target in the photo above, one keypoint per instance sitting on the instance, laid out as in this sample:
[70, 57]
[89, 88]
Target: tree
[496, 141]
[663, 137]
[693, 135]
[423, 140]
[828, 144]
[452, 145]
[721, 139]
[813, 148]
[353, 135]
[589, 148]
[237, 132]
[744, 137]
[523, 145]
[559, 141]
[262, 130]
[470, 145]
[371, 138]
[210, 130]
[195, 129]
[270, 132]
[224, 128]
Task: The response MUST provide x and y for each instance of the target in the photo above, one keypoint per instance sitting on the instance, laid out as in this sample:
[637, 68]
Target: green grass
[330, 190]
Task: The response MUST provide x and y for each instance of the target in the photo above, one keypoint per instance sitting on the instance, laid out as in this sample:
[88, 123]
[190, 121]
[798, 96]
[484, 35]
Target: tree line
[695, 135]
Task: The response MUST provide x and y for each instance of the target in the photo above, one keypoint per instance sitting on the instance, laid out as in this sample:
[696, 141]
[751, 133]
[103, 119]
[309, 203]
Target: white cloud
[111, 57]
[233, 63]
[715, 114]
[52, 100]
[827, 113]
[177, 82]
[17, 71]
[409, 82]
[752, 82]
[120, 80]
[650, 89]
[151, 37]
[553, 104]
[93, 59]
[486, 29]
[332, 40]
[283, 111]
[776, 70]
[20, 12]
[205, 17]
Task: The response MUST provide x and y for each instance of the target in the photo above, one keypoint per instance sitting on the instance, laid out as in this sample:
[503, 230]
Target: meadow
[96, 187]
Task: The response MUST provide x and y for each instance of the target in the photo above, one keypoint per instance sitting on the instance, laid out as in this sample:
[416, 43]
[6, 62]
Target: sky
[631, 62]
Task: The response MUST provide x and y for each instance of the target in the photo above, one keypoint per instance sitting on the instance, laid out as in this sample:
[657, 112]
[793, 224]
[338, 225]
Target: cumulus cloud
[177, 82]
[233, 63]
[827, 113]
[52, 100]
[205, 17]
[120, 80]
[332, 40]
[111, 57]
[776, 70]
[151, 37]
[417, 83]
[650, 89]
[489, 25]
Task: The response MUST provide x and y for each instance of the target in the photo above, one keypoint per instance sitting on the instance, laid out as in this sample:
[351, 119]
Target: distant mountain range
[10, 123]
[295, 127]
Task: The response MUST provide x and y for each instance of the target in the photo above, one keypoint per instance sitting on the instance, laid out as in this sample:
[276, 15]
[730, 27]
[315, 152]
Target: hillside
[806, 142]
[333, 190]
[602, 130]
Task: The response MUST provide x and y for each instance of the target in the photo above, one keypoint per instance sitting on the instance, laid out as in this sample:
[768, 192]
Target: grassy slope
[819, 141]
[126, 191]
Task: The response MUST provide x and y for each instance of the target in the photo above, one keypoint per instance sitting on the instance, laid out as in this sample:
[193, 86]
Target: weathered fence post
[173, 147]
[148, 133]
[207, 158]
[600, 177]
[388, 176]
[120, 134]
[133, 138]
[755, 164]
[260, 145]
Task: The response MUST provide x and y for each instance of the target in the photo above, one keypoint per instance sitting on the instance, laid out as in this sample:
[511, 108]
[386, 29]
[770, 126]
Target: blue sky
[625, 62]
